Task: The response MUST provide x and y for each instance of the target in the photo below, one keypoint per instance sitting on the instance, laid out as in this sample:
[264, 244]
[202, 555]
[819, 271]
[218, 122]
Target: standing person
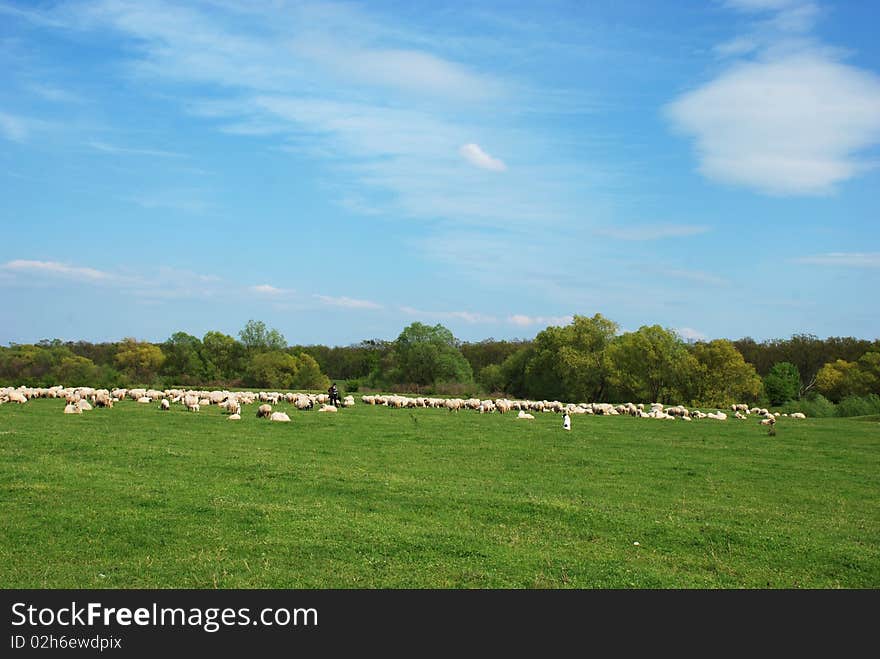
[334, 395]
[566, 422]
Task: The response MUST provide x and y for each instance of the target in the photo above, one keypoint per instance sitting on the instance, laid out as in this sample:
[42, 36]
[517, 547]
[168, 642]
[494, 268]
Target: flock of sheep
[525, 407]
[82, 399]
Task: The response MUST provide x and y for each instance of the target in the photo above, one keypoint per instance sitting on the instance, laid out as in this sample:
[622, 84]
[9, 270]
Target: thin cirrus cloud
[475, 155]
[793, 120]
[126, 151]
[466, 316]
[14, 128]
[54, 268]
[690, 334]
[268, 290]
[843, 259]
[347, 302]
[646, 232]
[522, 320]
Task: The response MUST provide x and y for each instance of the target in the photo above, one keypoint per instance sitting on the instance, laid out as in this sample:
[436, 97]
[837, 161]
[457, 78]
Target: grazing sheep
[234, 417]
[83, 404]
[769, 421]
[164, 405]
[145, 399]
[71, 408]
[524, 415]
[102, 399]
[327, 408]
[264, 410]
[348, 401]
[798, 415]
[278, 416]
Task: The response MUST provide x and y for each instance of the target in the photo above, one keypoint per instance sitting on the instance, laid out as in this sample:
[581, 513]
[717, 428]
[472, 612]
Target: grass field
[374, 497]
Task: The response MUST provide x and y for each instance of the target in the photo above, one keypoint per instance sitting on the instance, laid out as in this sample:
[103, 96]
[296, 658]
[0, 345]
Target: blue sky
[340, 170]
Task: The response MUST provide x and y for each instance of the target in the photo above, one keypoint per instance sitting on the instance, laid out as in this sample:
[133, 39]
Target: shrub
[813, 406]
[859, 405]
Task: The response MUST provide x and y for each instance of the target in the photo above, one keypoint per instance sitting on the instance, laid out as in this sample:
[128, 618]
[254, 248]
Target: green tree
[491, 378]
[139, 360]
[223, 357]
[513, 372]
[256, 337]
[840, 379]
[571, 362]
[183, 359]
[424, 355]
[722, 376]
[649, 365]
[76, 371]
[308, 374]
[869, 365]
[275, 370]
[782, 383]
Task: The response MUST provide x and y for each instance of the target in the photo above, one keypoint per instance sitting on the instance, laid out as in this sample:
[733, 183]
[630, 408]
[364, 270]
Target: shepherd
[334, 395]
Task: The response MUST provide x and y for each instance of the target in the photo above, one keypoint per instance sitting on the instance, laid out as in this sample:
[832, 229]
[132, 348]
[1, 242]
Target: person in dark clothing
[334, 395]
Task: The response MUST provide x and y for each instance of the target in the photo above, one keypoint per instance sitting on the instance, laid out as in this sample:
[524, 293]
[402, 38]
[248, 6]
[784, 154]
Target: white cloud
[467, 316]
[525, 321]
[787, 118]
[690, 334]
[652, 231]
[187, 201]
[111, 148]
[13, 128]
[54, 94]
[267, 289]
[844, 259]
[736, 46]
[791, 126]
[763, 5]
[479, 158]
[691, 275]
[347, 302]
[57, 269]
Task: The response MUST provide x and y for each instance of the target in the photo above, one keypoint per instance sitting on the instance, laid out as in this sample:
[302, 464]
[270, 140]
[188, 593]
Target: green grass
[373, 498]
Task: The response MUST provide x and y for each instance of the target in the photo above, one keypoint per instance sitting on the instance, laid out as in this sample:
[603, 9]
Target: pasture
[373, 497]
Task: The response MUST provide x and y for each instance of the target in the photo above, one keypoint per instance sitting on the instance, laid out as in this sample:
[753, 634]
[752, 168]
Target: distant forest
[587, 360]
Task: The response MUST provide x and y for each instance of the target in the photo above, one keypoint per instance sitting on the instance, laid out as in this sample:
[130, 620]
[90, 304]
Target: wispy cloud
[187, 201]
[126, 151]
[525, 321]
[843, 259]
[690, 334]
[14, 128]
[54, 268]
[691, 275]
[347, 302]
[466, 316]
[793, 120]
[54, 94]
[479, 158]
[158, 283]
[646, 232]
[268, 290]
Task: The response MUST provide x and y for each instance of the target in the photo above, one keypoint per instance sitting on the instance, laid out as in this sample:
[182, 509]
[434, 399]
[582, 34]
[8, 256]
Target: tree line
[588, 360]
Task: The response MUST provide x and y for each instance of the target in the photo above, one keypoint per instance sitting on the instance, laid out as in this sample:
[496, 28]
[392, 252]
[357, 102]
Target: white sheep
[278, 416]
